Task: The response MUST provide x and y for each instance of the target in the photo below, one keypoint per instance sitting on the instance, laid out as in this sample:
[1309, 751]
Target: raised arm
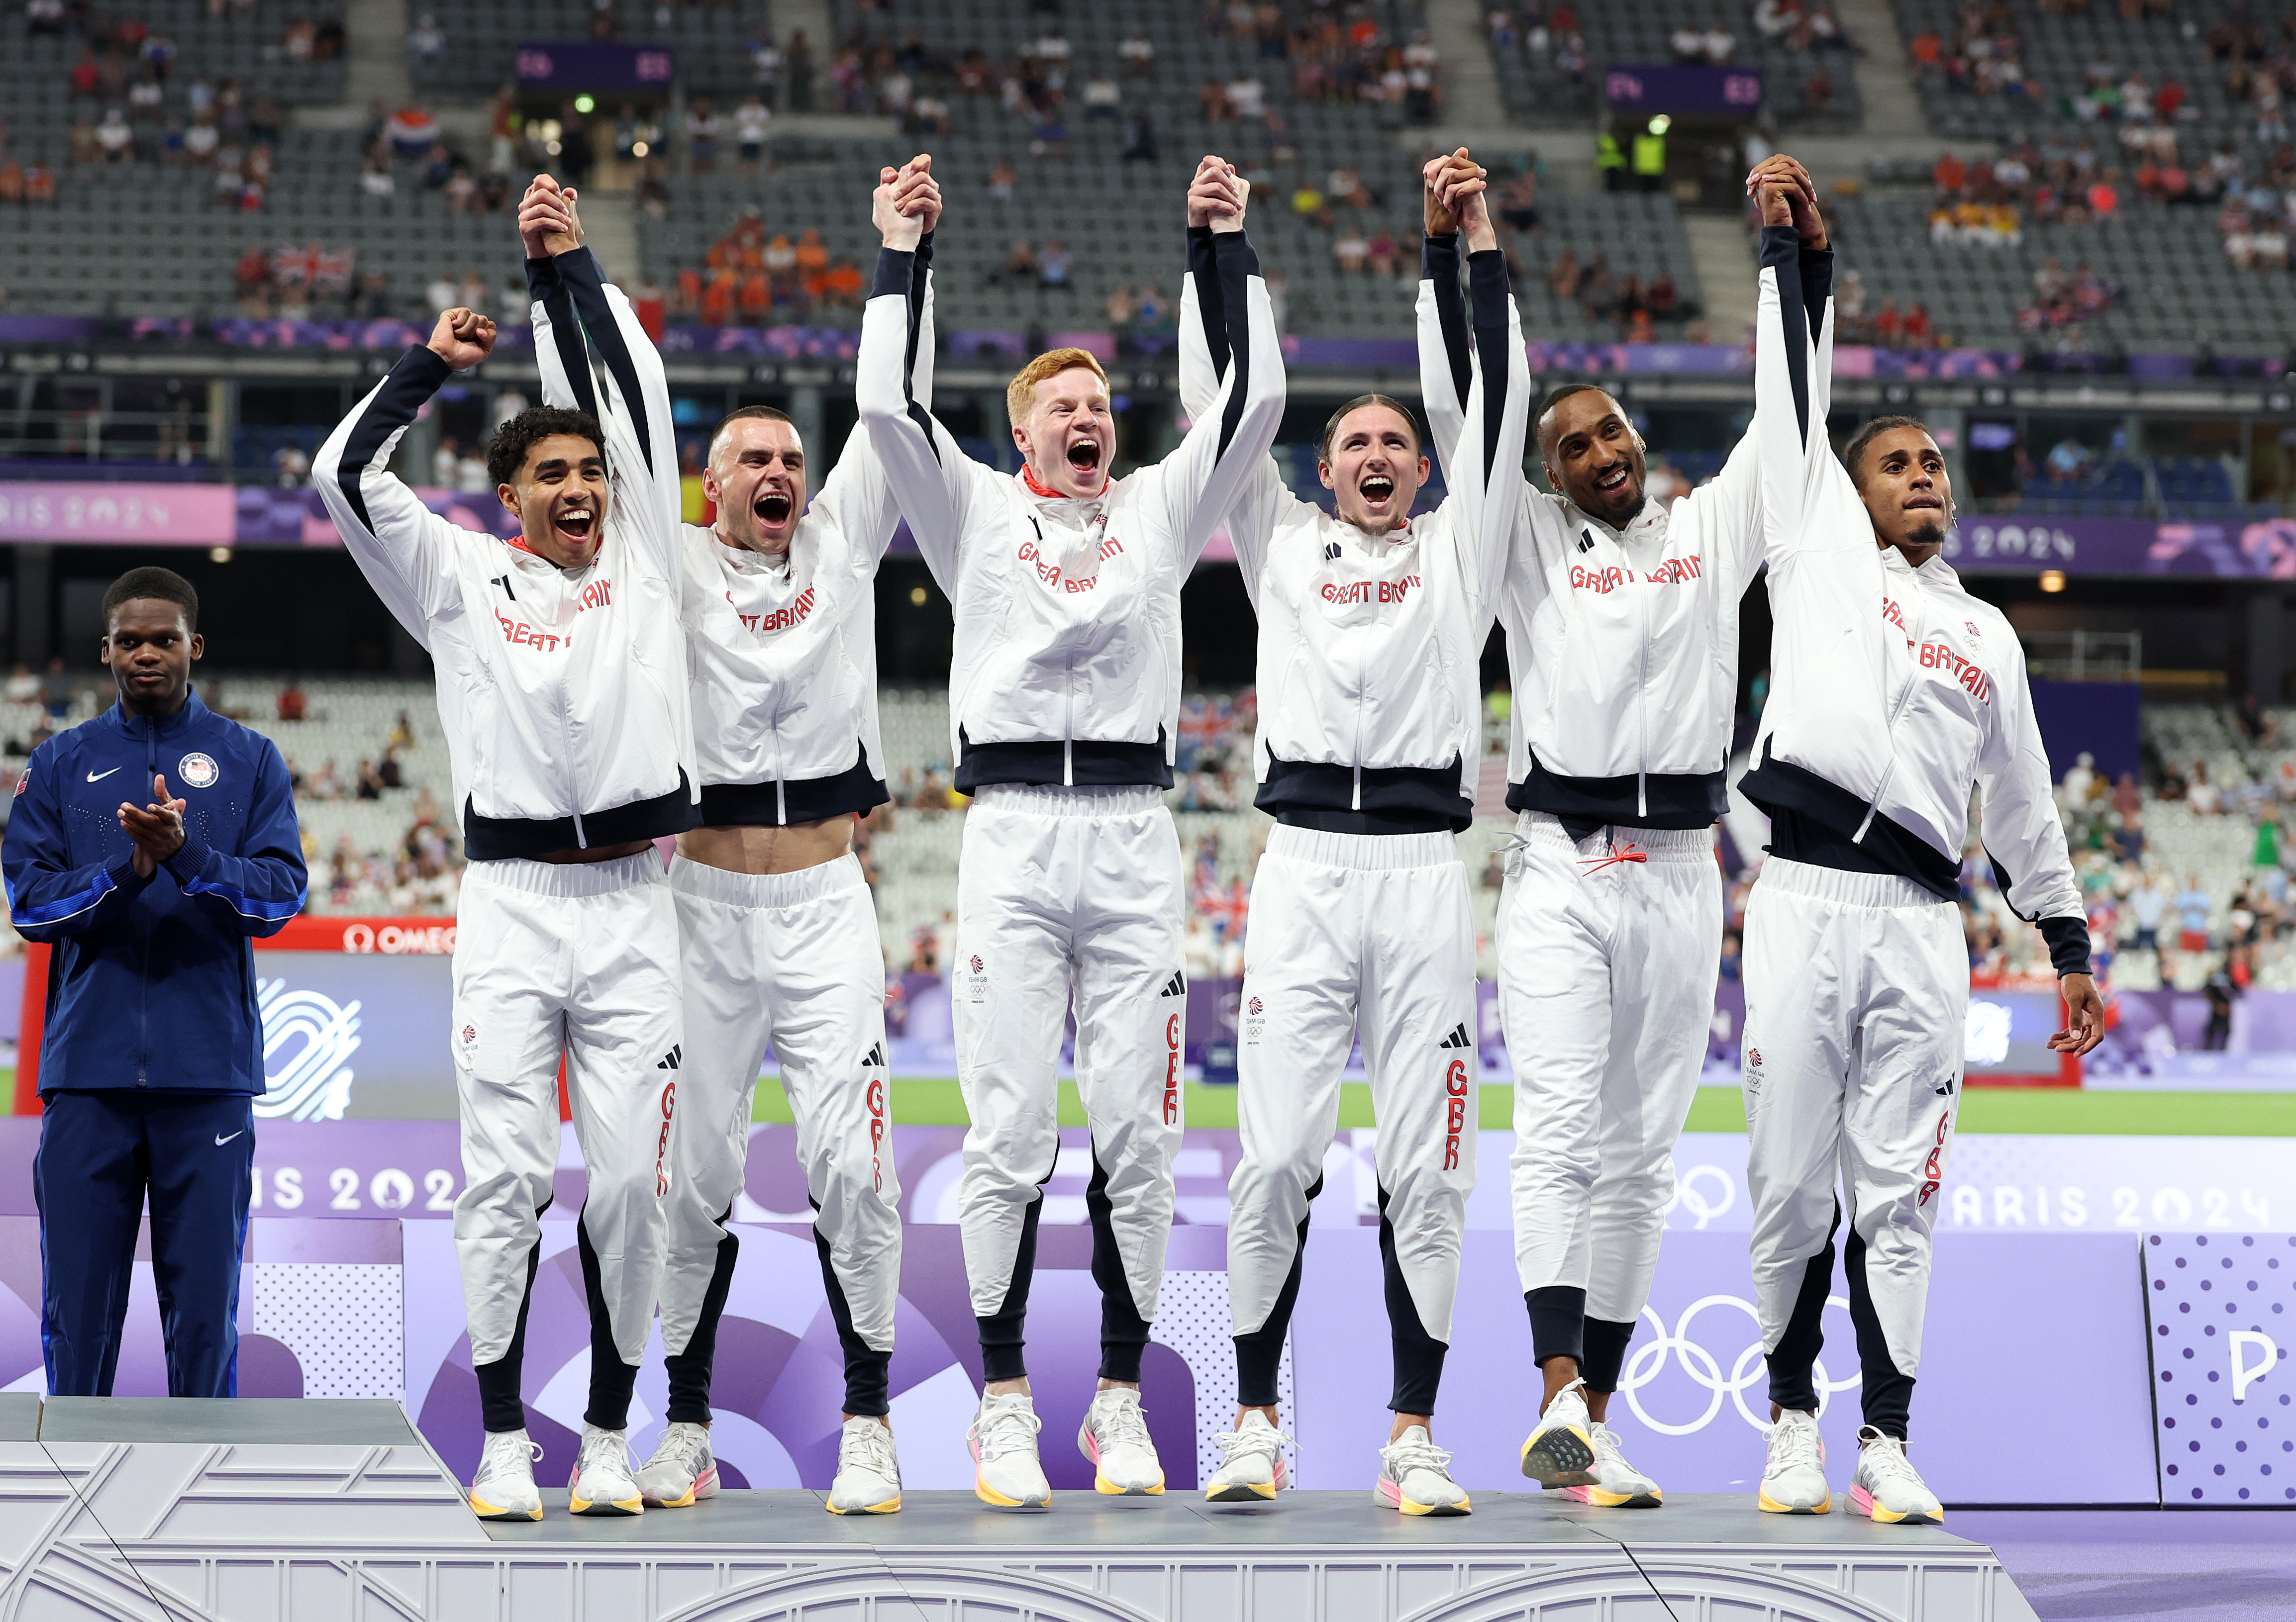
[857, 496]
[256, 889]
[932, 480]
[631, 400]
[1484, 477]
[1200, 482]
[50, 898]
[406, 551]
[1446, 364]
[1206, 358]
[1792, 382]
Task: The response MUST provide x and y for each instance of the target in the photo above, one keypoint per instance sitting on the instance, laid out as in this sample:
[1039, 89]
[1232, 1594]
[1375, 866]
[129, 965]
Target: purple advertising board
[1668, 87]
[585, 64]
[117, 514]
[2258, 549]
[2223, 1309]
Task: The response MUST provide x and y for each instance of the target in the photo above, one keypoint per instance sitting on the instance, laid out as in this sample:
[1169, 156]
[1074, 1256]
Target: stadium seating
[2178, 289]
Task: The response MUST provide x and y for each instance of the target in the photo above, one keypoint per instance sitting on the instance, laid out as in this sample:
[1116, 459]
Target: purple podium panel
[2223, 1308]
[1694, 1408]
[319, 1310]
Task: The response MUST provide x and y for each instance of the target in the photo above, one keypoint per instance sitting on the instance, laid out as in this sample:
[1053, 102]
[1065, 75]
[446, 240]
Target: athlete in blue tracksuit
[148, 846]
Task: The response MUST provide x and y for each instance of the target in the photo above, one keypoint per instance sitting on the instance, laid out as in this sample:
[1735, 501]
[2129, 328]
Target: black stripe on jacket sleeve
[548, 289]
[418, 374]
[1816, 267]
[1781, 256]
[588, 282]
[1237, 262]
[1439, 262]
[1487, 284]
[1204, 272]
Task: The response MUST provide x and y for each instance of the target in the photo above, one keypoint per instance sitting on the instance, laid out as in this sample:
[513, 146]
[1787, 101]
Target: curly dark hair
[506, 451]
[157, 585]
[1856, 451]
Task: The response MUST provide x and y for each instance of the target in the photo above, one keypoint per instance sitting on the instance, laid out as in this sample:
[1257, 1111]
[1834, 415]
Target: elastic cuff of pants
[1001, 1358]
[1793, 1389]
[612, 1388]
[1558, 1318]
[1119, 1360]
[499, 1408]
[1258, 1358]
[867, 1376]
[1605, 1354]
[1418, 1373]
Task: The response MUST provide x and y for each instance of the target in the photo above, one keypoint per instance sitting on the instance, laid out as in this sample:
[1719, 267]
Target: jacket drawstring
[1595, 864]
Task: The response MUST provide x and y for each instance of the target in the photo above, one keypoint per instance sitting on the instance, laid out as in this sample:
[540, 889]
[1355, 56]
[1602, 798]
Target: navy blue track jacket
[152, 981]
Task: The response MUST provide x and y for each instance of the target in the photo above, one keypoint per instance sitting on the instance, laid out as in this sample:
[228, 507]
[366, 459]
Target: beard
[1929, 532]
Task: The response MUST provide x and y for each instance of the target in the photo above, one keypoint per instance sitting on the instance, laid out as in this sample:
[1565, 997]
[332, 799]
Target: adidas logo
[1946, 1090]
[1586, 540]
[1457, 1038]
[1330, 551]
[1176, 986]
[877, 1056]
[669, 1060]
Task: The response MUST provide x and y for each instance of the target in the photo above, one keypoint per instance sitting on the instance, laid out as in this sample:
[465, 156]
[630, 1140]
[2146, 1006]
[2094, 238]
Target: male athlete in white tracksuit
[1371, 630]
[1895, 695]
[1622, 629]
[780, 936]
[1064, 700]
[563, 694]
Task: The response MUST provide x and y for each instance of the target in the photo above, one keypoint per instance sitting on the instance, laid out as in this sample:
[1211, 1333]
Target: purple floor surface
[2111, 1565]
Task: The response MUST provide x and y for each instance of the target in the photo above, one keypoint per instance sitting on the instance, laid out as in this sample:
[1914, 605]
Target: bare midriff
[594, 853]
[767, 850]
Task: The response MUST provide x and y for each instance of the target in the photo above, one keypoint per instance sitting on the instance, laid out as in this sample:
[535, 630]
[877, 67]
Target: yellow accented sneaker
[504, 1487]
[1886, 1487]
[1616, 1485]
[602, 1482]
[1560, 1451]
[1793, 1476]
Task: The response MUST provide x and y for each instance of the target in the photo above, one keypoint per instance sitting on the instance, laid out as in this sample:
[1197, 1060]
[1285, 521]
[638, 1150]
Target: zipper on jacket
[1642, 708]
[1889, 730]
[1068, 723]
[566, 731]
[144, 981]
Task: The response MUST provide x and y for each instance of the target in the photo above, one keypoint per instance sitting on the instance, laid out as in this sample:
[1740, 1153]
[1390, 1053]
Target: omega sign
[393, 939]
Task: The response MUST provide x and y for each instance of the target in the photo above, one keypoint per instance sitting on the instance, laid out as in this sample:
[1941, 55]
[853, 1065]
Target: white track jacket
[562, 692]
[1895, 693]
[1067, 659]
[785, 659]
[1623, 644]
[1371, 646]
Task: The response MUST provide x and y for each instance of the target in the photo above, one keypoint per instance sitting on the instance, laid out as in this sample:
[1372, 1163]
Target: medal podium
[255, 1511]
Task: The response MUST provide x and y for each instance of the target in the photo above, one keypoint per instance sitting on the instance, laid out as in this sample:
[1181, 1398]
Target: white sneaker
[1114, 1435]
[1793, 1477]
[1003, 1443]
[682, 1470]
[868, 1476]
[1251, 1462]
[504, 1487]
[602, 1483]
[1414, 1475]
[1886, 1487]
[1559, 1451]
[1616, 1485]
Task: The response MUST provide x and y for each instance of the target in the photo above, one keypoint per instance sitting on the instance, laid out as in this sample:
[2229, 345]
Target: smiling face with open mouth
[1372, 463]
[559, 498]
[1594, 456]
[1901, 477]
[756, 477]
[1070, 437]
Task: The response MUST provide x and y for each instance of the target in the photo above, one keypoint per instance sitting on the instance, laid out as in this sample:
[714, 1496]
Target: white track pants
[1606, 985]
[1063, 888]
[1857, 988]
[1348, 933]
[578, 958]
[791, 961]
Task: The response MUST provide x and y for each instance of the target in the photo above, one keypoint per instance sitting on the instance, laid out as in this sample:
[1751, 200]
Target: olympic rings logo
[1689, 1194]
[1649, 1360]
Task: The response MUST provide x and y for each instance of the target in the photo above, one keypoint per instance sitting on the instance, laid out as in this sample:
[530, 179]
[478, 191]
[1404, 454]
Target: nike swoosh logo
[221, 1142]
[100, 776]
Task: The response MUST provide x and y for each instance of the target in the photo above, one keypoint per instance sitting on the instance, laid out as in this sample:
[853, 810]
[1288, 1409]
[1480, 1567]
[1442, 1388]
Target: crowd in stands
[750, 278]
